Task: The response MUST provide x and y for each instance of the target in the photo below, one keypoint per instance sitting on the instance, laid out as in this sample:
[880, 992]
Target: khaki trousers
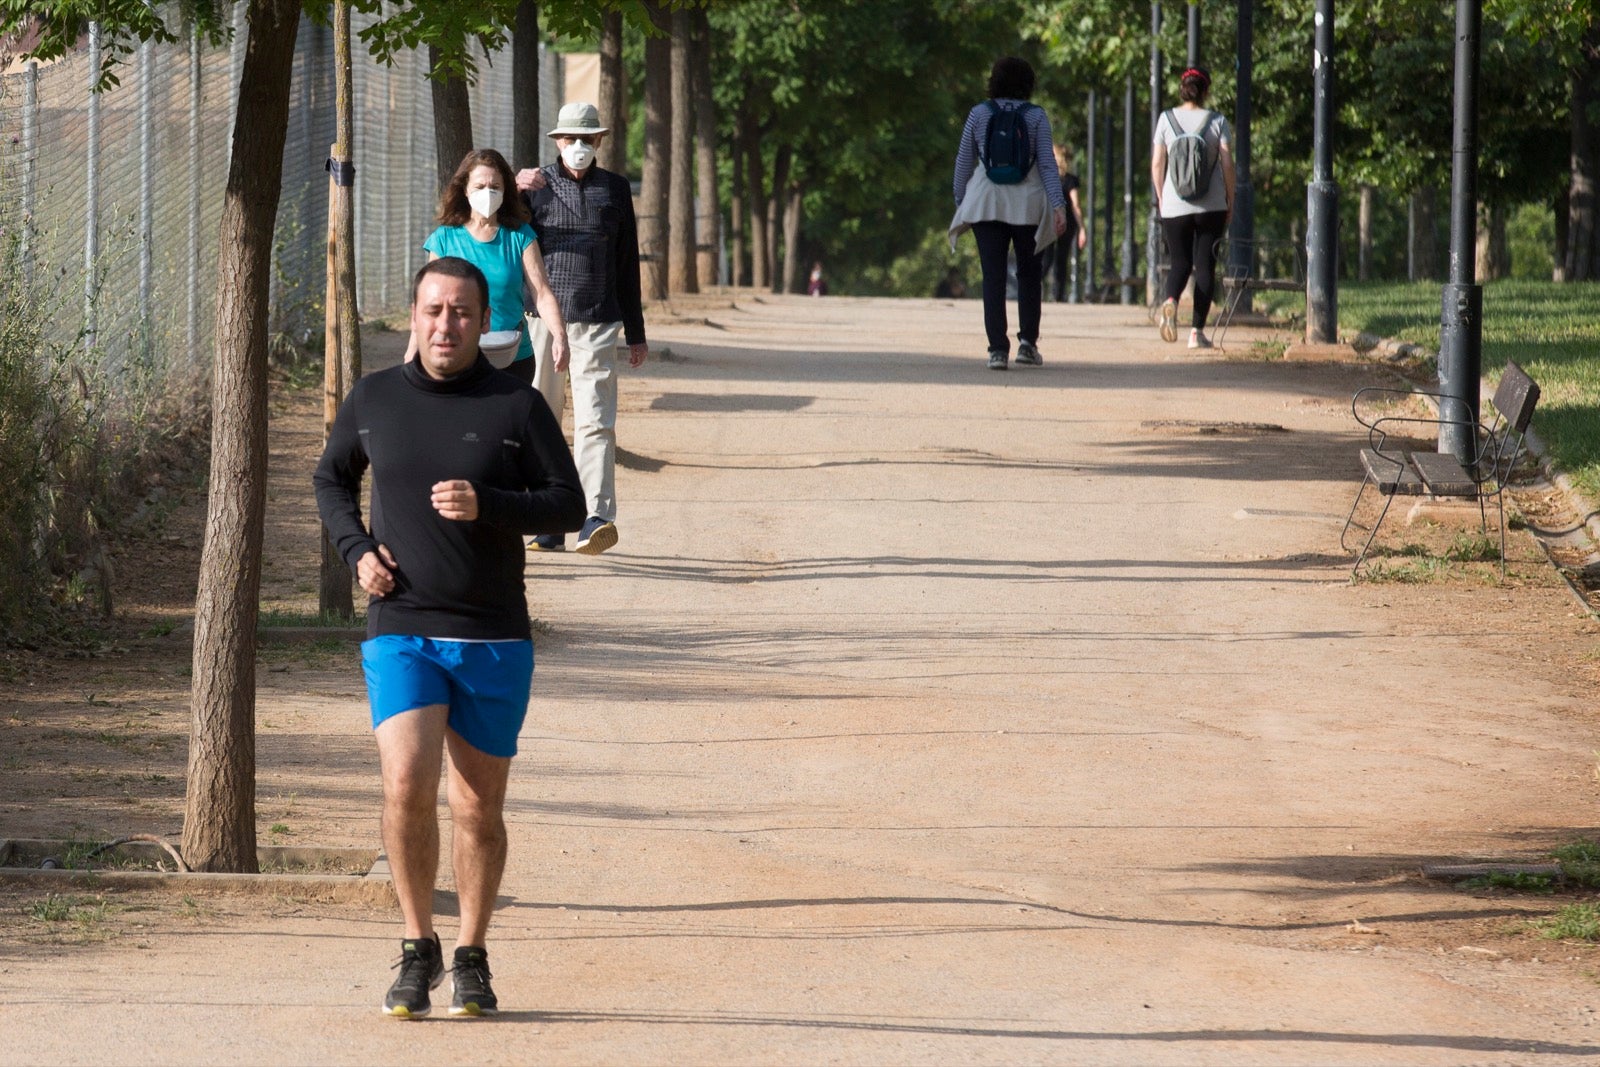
[593, 372]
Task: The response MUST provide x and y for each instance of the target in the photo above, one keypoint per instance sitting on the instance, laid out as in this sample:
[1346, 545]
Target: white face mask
[578, 155]
[485, 201]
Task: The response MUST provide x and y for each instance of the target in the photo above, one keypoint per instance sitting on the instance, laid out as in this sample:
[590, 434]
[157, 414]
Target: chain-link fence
[120, 193]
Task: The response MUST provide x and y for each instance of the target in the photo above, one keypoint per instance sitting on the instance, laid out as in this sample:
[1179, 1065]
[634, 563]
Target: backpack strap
[1172, 120]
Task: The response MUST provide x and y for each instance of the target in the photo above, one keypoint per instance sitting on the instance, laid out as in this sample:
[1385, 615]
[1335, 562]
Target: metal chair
[1397, 472]
[1263, 255]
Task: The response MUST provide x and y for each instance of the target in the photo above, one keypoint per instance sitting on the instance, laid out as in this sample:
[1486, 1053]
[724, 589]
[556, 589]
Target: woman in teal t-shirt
[482, 225]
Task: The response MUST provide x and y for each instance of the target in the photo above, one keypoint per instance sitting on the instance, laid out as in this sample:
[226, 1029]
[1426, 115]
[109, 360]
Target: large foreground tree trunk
[613, 102]
[525, 132]
[219, 823]
[707, 237]
[1583, 228]
[452, 119]
[656, 189]
[682, 276]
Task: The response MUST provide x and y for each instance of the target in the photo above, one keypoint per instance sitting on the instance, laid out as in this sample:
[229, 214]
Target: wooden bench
[1482, 476]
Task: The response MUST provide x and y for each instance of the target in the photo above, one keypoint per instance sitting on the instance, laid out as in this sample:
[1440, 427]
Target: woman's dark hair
[453, 267]
[453, 207]
[1011, 79]
[1195, 85]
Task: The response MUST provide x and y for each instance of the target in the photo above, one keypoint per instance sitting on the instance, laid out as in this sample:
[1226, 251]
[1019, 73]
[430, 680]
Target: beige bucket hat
[578, 119]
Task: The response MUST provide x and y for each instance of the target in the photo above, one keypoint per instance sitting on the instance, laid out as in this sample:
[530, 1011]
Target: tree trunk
[737, 275]
[773, 215]
[791, 240]
[654, 237]
[705, 155]
[452, 119]
[219, 824]
[1425, 236]
[683, 274]
[525, 131]
[1559, 274]
[341, 352]
[1364, 256]
[613, 102]
[1493, 250]
[755, 194]
[1583, 228]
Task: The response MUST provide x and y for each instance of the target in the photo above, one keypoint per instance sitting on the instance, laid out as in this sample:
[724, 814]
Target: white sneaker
[1198, 340]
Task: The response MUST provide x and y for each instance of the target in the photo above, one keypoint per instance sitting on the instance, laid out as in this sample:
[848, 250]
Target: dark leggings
[1057, 258]
[994, 240]
[1192, 246]
[522, 369]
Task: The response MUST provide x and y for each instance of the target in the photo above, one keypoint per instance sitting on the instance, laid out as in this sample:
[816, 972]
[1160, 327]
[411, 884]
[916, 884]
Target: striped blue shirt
[976, 131]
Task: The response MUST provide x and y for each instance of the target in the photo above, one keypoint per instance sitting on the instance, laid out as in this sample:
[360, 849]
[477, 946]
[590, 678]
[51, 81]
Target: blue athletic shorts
[485, 684]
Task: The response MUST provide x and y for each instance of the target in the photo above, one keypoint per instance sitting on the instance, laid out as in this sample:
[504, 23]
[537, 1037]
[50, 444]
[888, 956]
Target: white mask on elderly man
[485, 201]
[578, 155]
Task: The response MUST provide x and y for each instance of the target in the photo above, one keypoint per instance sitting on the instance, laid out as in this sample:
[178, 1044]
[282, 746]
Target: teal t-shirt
[500, 259]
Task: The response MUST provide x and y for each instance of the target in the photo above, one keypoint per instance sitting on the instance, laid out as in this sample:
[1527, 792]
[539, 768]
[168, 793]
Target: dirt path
[922, 714]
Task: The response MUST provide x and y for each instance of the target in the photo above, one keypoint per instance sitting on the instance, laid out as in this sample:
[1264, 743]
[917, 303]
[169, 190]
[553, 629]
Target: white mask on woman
[578, 155]
[485, 201]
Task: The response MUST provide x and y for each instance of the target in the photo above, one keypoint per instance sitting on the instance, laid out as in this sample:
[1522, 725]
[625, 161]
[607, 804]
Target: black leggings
[995, 240]
[1192, 246]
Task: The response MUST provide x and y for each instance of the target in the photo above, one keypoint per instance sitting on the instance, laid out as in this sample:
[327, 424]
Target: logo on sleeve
[470, 437]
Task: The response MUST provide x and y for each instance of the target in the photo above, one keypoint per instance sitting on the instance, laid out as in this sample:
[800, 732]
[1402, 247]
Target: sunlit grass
[1551, 330]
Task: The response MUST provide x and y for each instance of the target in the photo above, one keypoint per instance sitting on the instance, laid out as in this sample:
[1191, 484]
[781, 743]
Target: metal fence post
[1127, 190]
[91, 222]
[1152, 234]
[30, 166]
[1089, 198]
[191, 335]
[146, 186]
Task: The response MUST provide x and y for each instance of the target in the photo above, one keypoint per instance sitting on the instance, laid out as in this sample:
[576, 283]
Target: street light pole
[1322, 195]
[1194, 33]
[1152, 235]
[1461, 322]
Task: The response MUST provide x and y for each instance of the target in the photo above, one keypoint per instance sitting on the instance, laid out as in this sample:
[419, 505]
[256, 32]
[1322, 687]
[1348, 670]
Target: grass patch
[1416, 564]
[1518, 881]
[290, 620]
[1550, 329]
[1575, 922]
[1580, 862]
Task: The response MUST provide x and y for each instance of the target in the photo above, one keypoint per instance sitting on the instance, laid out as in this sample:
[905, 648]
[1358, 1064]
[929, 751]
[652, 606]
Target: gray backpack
[1189, 161]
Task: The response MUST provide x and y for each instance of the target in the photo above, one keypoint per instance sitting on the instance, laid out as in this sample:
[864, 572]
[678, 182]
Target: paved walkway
[929, 714]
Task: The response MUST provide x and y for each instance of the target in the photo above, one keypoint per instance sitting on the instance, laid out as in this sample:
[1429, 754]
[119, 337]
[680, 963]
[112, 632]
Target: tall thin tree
[613, 102]
[707, 235]
[682, 276]
[219, 831]
[654, 238]
[525, 133]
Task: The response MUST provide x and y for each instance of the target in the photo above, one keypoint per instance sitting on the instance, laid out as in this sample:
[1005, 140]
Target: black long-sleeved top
[453, 579]
[590, 243]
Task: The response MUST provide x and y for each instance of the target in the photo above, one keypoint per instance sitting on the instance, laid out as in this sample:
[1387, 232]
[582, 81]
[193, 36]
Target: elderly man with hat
[590, 241]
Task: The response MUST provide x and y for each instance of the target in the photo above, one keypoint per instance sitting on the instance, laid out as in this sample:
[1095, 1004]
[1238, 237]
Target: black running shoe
[469, 978]
[1028, 355]
[421, 969]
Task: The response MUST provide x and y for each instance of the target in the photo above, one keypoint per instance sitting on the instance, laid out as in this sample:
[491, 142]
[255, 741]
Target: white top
[1023, 204]
[1191, 119]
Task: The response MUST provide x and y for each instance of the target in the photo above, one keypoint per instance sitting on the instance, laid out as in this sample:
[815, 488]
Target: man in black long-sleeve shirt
[466, 461]
[590, 242]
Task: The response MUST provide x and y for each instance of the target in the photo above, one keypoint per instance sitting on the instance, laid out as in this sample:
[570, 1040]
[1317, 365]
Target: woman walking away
[1057, 259]
[483, 224]
[1013, 201]
[1191, 167]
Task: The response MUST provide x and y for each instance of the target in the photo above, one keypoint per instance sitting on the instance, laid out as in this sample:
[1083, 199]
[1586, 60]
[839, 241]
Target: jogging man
[584, 217]
[466, 461]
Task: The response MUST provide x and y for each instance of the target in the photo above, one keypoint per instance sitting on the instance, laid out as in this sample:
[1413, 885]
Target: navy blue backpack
[1007, 155]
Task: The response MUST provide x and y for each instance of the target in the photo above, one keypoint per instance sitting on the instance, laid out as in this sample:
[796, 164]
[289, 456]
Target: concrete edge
[376, 886]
